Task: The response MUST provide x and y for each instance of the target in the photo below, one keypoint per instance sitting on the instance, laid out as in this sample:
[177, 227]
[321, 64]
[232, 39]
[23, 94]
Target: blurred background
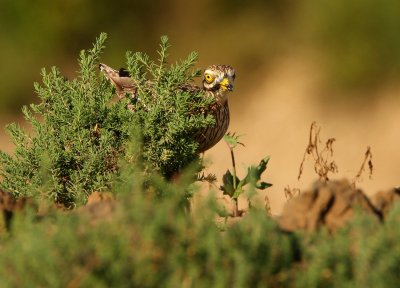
[336, 62]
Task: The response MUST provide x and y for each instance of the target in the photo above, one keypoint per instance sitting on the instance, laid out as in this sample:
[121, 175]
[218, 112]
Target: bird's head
[219, 80]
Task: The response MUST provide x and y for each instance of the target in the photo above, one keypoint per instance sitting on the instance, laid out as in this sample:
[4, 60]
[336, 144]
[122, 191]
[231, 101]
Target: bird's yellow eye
[209, 78]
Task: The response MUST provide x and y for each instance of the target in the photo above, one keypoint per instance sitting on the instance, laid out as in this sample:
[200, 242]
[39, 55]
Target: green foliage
[232, 185]
[361, 255]
[151, 242]
[253, 177]
[167, 113]
[79, 135]
[144, 243]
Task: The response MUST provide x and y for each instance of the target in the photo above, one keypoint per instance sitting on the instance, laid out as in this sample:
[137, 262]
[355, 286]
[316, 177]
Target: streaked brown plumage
[217, 83]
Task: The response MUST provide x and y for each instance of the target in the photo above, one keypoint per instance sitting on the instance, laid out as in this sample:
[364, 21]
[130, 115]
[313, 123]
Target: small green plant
[232, 185]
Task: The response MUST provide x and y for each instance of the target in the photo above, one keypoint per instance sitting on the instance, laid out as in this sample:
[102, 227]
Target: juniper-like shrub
[168, 112]
[145, 243]
[79, 134]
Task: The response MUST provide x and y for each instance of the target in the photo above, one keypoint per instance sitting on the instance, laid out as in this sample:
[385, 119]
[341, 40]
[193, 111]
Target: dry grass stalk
[367, 159]
[268, 206]
[323, 163]
[291, 192]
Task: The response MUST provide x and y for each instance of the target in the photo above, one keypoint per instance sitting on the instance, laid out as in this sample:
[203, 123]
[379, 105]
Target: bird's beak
[225, 84]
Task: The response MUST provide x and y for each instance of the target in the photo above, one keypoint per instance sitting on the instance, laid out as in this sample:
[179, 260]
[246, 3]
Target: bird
[217, 83]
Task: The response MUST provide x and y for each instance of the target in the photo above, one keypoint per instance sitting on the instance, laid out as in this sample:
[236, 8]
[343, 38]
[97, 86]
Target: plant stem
[235, 200]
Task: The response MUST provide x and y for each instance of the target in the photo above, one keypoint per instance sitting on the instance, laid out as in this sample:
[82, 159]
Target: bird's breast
[211, 135]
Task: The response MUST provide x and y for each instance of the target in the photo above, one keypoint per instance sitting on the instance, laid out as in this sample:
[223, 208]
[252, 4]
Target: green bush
[144, 243]
[79, 135]
[153, 242]
[364, 254]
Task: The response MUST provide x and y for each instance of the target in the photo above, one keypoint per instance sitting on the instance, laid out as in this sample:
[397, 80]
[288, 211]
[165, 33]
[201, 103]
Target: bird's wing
[122, 81]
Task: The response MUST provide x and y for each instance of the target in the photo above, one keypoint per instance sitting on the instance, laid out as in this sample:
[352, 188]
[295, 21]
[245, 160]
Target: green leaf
[262, 166]
[228, 188]
[254, 173]
[263, 185]
[232, 140]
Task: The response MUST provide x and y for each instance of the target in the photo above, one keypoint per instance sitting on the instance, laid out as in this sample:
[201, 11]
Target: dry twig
[367, 159]
[291, 192]
[268, 206]
[322, 158]
[210, 178]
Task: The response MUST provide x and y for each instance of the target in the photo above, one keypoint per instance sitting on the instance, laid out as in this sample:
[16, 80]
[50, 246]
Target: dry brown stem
[291, 192]
[268, 206]
[323, 164]
[367, 159]
[210, 178]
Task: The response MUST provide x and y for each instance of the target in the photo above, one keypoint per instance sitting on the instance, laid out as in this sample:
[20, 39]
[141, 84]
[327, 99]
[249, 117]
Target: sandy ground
[274, 119]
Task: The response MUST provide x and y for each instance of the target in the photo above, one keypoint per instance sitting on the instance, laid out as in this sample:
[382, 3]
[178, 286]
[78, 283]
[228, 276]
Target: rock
[331, 205]
[384, 200]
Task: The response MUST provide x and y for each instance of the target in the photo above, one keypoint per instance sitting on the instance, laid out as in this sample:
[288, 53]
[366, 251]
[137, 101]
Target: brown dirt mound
[384, 200]
[331, 205]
